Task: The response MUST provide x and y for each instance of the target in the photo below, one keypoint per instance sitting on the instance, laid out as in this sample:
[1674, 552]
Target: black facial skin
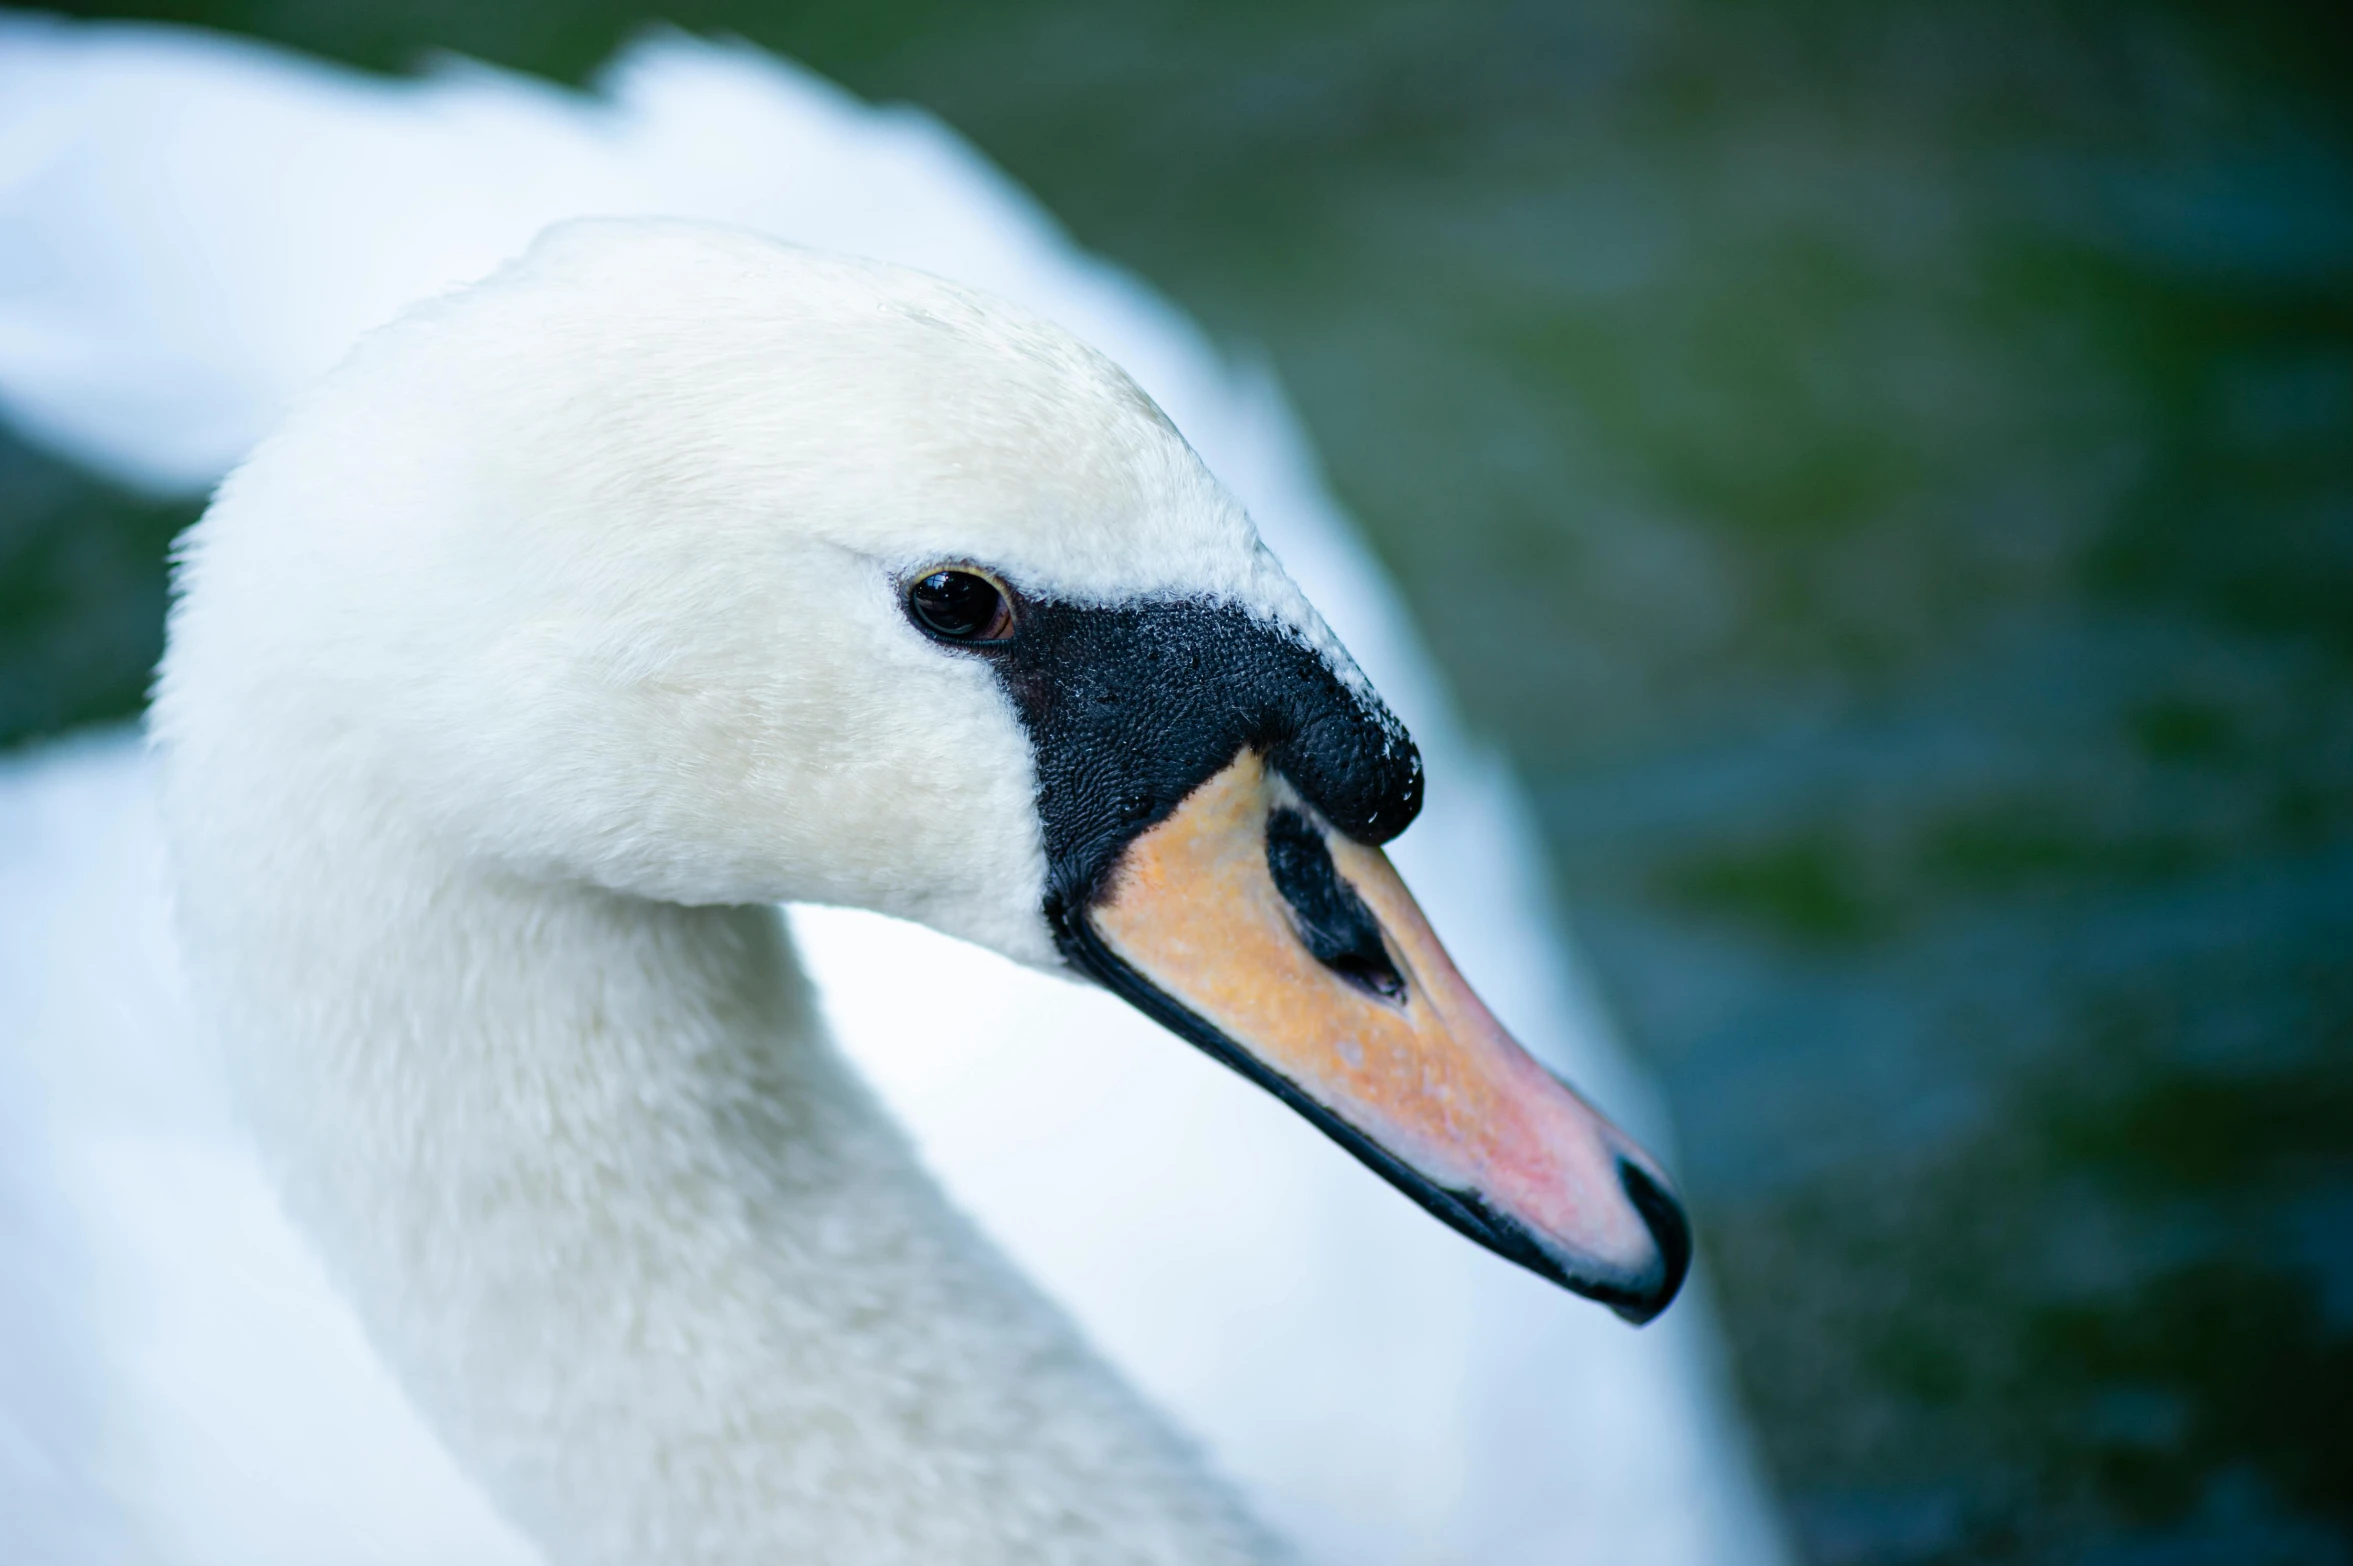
[1130, 708]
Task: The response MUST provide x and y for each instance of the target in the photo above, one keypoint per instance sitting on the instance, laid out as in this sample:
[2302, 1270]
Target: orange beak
[1245, 923]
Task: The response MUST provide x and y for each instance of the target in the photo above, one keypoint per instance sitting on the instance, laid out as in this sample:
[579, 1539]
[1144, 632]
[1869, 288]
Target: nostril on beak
[1670, 1231]
[1333, 921]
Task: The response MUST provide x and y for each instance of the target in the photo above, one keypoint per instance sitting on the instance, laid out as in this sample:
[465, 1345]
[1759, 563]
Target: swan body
[1489, 1475]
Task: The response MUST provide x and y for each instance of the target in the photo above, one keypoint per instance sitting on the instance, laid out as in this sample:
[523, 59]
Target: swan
[1396, 1398]
[582, 617]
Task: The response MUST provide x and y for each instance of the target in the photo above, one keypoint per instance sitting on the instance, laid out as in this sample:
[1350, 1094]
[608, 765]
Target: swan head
[701, 568]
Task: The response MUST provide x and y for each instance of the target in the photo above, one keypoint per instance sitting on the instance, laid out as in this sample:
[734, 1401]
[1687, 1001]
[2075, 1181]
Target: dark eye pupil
[957, 603]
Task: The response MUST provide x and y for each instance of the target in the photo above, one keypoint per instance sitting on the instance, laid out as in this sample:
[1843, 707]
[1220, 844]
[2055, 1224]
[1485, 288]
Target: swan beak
[1297, 956]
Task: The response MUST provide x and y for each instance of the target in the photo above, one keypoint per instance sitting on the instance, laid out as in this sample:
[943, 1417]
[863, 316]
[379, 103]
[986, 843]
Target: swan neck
[635, 1238]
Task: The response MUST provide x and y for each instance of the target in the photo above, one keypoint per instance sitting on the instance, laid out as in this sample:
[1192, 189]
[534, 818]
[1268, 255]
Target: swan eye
[962, 606]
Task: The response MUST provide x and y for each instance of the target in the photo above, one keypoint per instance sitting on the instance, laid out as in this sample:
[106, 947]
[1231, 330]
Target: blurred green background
[1886, 471]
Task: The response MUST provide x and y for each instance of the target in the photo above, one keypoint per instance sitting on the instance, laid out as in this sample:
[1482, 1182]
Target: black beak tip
[1670, 1230]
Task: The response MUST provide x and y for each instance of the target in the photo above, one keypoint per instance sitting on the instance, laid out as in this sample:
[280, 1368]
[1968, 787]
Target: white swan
[1454, 1412]
[579, 617]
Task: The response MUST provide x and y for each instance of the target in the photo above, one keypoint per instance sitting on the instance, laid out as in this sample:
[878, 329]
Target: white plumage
[189, 230]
